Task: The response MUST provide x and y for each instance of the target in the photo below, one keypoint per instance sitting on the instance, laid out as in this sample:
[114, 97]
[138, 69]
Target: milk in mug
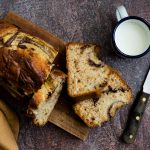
[132, 37]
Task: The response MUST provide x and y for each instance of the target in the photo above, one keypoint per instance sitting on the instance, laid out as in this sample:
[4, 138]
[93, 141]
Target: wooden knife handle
[134, 120]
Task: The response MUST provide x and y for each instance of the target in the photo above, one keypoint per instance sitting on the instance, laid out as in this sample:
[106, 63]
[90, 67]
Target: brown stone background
[88, 21]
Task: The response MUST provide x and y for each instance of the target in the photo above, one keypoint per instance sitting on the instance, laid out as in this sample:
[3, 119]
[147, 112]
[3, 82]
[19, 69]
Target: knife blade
[146, 86]
[137, 112]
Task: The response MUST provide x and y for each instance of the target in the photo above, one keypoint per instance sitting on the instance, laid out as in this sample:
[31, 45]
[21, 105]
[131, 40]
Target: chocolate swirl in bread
[21, 69]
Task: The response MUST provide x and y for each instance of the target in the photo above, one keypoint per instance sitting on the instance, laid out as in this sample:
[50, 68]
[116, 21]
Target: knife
[135, 118]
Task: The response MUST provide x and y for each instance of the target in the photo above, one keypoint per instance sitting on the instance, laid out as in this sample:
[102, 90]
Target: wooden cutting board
[62, 115]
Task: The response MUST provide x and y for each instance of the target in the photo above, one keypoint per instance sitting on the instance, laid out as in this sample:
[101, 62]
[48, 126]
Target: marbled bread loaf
[25, 60]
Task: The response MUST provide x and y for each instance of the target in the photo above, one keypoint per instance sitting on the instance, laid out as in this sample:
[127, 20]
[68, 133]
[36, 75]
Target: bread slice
[86, 73]
[114, 95]
[44, 100]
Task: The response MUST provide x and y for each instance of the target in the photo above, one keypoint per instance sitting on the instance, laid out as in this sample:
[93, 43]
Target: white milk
[132, 37]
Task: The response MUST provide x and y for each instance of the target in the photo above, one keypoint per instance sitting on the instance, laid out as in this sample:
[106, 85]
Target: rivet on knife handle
[133, 123]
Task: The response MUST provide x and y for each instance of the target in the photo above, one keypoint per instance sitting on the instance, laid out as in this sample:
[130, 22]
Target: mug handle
[121, 12]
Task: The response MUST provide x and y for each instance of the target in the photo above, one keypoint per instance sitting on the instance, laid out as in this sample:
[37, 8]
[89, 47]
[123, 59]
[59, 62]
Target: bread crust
[6, 28]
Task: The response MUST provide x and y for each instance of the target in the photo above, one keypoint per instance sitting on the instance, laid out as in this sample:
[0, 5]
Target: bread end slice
[44, 100]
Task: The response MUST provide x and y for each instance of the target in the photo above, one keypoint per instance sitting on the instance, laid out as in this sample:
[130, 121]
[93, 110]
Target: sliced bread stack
[87, 75]
[27, 68]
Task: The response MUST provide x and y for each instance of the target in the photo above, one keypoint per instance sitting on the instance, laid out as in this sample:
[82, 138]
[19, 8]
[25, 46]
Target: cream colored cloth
[9, 128]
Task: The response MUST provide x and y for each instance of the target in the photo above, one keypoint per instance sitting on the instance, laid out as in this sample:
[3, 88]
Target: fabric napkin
[9, 128]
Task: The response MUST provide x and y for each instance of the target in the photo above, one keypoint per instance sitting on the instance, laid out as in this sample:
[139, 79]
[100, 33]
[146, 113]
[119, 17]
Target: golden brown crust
[6, 28]
[85, 96]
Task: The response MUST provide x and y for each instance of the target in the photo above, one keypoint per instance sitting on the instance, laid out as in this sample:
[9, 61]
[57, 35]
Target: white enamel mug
[131, 35]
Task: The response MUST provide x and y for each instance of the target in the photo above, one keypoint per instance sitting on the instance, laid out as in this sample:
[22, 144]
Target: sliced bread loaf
[114, 95]
[44, 100]
[25, 61]
[86, 73]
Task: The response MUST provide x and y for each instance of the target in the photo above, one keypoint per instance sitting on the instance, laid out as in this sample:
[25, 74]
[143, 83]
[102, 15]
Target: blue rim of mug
[117, 50]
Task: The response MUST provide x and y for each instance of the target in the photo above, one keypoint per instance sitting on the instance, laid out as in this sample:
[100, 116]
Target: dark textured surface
[89, 21]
